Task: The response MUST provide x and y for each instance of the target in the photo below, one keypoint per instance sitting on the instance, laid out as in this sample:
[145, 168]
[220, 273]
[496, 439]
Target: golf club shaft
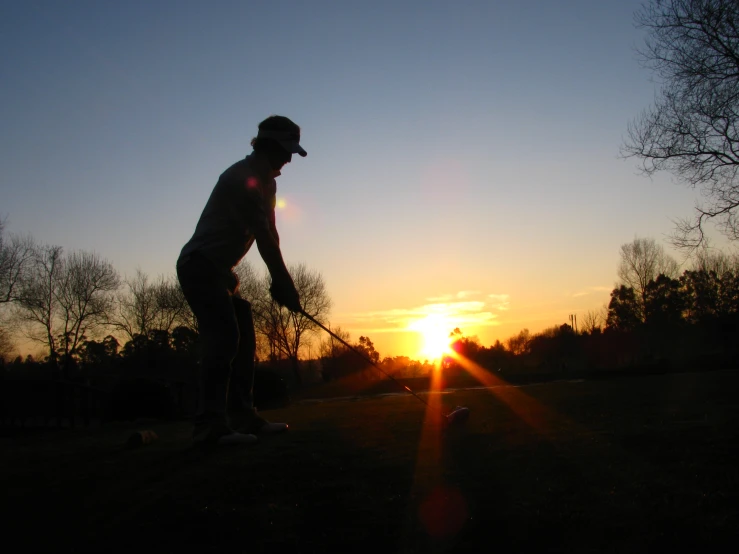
[361, 355]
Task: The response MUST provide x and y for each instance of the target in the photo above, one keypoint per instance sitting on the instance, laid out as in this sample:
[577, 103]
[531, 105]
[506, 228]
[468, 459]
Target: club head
[458, 416]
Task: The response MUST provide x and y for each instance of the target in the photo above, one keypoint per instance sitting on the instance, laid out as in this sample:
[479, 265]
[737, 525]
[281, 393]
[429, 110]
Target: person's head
[278, 139]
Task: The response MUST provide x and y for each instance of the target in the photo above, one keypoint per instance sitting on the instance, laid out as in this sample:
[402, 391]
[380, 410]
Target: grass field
[638, 464]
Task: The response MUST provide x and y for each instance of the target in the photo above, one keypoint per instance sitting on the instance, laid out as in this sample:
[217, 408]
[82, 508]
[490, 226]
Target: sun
[434, 330]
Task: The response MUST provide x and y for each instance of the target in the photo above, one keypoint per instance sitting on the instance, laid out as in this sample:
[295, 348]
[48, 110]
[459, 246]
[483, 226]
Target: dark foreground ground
[638, 464]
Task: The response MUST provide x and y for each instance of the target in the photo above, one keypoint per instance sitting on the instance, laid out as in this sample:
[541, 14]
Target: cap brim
[295, 148]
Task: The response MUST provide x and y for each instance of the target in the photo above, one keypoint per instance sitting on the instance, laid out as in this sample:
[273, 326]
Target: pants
[226, 329]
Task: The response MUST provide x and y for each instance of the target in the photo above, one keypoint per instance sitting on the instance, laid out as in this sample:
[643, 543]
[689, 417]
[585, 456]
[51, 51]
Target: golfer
[239, 212]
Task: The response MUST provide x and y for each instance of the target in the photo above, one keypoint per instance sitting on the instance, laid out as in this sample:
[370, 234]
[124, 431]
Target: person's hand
[285, 294]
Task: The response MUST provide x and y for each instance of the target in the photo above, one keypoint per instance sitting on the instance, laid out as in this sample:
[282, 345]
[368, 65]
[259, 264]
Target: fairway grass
[636, 464]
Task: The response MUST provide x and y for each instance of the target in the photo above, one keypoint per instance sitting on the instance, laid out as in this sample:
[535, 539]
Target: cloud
[467, 293]
[498, 301]
[591, 290]
[442, 298]
[465, 308]
[455, 296]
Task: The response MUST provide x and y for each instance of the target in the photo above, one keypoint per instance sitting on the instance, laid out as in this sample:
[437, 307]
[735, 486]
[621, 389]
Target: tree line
[656, 317]
[79, 309]
[88, 318]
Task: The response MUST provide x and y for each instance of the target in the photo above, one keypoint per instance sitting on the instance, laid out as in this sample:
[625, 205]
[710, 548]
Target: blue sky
[463, 156]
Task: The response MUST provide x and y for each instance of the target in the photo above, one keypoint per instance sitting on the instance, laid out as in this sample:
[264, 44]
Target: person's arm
[273, 226]
[283, 288]
[261, 214]
[269, 250]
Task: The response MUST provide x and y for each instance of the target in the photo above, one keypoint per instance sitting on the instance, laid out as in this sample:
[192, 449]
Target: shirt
[242, 201]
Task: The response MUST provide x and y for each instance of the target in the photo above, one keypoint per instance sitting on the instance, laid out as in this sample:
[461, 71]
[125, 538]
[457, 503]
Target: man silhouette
[239, 212]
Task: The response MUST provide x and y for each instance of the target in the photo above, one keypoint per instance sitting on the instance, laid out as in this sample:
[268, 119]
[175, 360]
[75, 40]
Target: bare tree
[37, 303]
[16, 254]
[135, 306]
[254, 289]
[84, 294]
[692, 131]
[144, 306]
[593, 322]
[172, 308]
[332, 348]
[251, 286]
[642, 260]
[707, 259]
[65, 299]
[285, 331]
[7, 348]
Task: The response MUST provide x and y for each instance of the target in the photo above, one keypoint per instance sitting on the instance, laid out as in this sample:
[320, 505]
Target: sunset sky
[462, 156]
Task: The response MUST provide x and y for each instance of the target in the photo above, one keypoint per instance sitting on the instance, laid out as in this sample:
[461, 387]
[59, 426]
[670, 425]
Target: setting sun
[434, 329]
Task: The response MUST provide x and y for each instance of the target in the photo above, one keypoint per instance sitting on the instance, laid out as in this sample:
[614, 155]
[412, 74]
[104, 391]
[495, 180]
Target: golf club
[460, 414]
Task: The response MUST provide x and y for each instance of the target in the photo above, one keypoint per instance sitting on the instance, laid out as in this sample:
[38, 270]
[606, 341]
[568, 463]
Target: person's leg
[241, 388]
[241, 393]
[211, 304]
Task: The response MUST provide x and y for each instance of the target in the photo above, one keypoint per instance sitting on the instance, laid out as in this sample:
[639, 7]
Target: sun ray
[531, 411]
[428, 487]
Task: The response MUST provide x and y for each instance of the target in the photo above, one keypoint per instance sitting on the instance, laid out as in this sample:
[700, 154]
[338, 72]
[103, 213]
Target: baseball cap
[289, 139]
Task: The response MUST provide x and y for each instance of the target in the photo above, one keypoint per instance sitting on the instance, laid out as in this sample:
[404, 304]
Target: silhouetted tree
[252, 288]
[403, 366]
[84, 295]
[367, 349]
[593, 321]
[287, 331]
[65, 300]
[623, 310]
[99, 354]
[172, 308]
[642, 261]
[519, 344]
[38, 300]
[360, 359]
[729, 293]
[184, 341]
[135, 347]
[331, 350]
[134, 306]
[465, 346]
[16, 255]
[701, 289]
[555, 347]
[160, 354]
[665, 302]
[6, 345]
[494, 357]
[146, 306]
[707, 259]
[710, 296]
[692, 130]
